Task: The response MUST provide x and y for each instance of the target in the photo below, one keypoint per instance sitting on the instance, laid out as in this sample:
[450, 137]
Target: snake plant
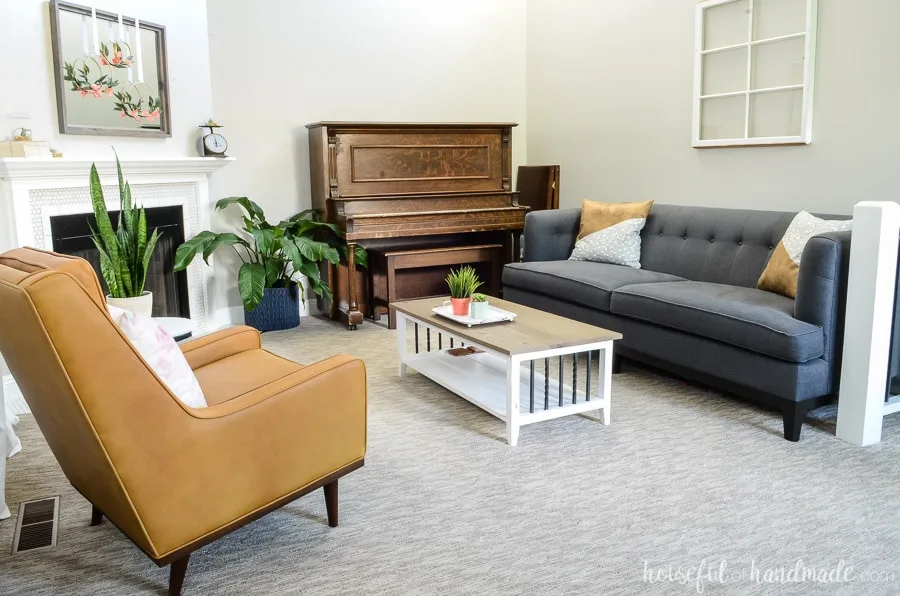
[125, 251]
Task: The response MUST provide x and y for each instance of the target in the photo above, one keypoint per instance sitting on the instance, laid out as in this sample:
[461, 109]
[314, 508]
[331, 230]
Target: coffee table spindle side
[508, 383]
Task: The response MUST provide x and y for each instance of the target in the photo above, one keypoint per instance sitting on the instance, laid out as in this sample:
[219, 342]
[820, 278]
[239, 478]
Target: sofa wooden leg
[96, 516]
[793, 416]
[177, 570]
[616, 364]
[331, 502]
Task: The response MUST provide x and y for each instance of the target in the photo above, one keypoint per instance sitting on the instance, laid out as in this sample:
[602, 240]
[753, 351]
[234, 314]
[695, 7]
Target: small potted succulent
[479, 309]
[462, 283]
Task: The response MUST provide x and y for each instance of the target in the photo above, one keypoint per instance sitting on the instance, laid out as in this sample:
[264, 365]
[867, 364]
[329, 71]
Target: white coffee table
[510, 375]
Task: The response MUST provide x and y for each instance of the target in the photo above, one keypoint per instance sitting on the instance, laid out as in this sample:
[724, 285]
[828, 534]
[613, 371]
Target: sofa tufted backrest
[727, 246]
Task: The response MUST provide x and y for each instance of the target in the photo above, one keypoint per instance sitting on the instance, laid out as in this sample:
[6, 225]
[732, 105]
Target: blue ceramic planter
[279, 309]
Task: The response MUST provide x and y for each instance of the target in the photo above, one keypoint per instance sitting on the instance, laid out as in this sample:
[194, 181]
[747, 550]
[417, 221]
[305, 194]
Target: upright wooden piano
[416, 185]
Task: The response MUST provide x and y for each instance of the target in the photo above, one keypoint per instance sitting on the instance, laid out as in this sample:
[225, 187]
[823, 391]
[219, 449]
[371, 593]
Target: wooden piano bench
[399, 274]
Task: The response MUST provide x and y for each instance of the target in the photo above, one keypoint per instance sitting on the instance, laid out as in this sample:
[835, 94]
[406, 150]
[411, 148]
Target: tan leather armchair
[171, 477]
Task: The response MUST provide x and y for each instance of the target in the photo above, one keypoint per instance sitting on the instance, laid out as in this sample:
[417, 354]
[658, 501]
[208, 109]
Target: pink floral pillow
[160, 351]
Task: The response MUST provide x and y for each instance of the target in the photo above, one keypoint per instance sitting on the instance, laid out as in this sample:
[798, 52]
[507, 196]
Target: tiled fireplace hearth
[34, 190]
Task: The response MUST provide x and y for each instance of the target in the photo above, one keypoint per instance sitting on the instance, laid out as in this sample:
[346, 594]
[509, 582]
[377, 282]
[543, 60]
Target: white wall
[609, 98]
[279, 65]
[26, 69]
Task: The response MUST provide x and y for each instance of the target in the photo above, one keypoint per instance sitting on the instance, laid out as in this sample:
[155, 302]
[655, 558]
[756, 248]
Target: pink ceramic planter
[460, 306]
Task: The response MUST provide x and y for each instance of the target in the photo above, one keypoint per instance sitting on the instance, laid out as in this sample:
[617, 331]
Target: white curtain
[9, 445]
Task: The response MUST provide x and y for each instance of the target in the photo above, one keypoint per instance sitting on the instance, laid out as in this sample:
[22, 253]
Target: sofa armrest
[550, 235]
[822, 289]
[220, 344]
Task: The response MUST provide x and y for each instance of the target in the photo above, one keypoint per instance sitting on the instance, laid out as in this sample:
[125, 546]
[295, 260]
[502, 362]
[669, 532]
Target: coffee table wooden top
[532, 331]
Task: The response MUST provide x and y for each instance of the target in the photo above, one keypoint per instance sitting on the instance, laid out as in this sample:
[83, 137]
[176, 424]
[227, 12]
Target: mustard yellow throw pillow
[611, 233]
[781, 274]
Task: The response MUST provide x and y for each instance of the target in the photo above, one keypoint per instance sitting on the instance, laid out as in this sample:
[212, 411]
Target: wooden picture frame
[63, 88]
[737, 87]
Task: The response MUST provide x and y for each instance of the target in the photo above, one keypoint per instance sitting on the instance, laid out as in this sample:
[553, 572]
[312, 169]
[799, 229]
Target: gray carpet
[443, 505]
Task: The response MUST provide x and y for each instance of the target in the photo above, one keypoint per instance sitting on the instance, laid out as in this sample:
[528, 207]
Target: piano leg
[354, 316]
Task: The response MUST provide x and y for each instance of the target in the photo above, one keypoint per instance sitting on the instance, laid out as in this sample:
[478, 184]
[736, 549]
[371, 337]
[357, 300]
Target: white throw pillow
[619, 244]
[783, 269]
[160, 351]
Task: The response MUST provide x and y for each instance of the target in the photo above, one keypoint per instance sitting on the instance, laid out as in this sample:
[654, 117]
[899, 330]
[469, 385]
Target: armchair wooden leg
[96, 516]
[177, 571]
[331, 502]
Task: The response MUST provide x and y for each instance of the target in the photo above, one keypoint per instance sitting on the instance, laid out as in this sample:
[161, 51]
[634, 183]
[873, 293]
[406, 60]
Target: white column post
[868, 322]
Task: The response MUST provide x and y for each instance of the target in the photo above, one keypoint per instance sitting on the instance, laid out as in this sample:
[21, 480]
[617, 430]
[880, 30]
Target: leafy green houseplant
[462, 283]
[272, 256]
[125, 251]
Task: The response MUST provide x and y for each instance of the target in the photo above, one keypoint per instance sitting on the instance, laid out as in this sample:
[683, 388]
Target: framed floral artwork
[110, 71]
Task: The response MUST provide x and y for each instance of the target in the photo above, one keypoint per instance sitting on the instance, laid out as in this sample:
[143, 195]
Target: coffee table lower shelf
[514, 388]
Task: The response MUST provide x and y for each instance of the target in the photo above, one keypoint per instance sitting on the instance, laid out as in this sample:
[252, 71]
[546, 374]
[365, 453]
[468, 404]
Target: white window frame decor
[809, 36]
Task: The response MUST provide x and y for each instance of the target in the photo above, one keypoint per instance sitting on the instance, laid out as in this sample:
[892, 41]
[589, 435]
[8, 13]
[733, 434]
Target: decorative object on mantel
[22, 134]
[124, 252]
[117, 86]
[270, 257]
[212, 144]
[22, 145]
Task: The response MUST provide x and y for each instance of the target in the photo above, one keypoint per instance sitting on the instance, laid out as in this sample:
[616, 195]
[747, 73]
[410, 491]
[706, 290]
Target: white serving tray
[495, 315]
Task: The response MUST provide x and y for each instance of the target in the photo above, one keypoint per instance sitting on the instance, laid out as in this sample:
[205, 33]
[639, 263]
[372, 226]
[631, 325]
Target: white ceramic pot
[143, 304]
[478, 310]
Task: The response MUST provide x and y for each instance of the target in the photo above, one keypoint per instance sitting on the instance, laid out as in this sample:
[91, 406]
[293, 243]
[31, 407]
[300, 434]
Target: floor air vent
[36, 526]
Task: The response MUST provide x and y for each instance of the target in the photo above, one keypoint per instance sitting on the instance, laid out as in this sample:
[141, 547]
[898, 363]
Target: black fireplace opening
[72, 236]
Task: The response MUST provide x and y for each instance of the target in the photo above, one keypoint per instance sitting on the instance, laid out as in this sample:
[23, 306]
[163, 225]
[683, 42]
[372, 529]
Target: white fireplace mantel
[34, 190]
[29, 168]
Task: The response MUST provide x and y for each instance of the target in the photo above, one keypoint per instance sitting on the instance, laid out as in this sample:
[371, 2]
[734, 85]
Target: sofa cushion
[745, 317]
[581, 282]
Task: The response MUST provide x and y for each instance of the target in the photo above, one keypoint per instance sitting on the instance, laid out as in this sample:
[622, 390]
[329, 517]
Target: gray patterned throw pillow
[619, 244]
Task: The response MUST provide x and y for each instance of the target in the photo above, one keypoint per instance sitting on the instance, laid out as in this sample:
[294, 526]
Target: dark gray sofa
[693, 308]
